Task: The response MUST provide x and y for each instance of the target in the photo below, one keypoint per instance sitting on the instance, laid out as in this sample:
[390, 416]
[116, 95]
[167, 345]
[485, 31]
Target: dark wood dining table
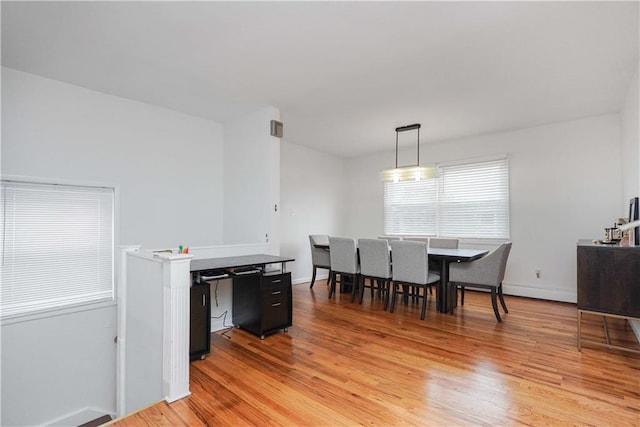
[446, 299]
[446, 295]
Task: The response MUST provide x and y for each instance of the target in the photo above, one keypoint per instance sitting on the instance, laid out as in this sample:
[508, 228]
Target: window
[57, 246]
[466, 200]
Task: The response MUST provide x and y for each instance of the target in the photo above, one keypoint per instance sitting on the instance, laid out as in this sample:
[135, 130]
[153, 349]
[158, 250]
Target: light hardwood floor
[347, 364]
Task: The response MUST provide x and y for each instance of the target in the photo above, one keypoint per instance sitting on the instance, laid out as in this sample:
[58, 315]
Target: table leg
[442, 296]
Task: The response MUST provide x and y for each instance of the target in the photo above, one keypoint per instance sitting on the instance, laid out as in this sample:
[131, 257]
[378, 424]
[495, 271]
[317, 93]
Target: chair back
[436, 242]
[504, 250]
[410, 261]
[375, 260]
[488, 270]
[417, 239]
[319, 256]
[344, 255]
[390, 238]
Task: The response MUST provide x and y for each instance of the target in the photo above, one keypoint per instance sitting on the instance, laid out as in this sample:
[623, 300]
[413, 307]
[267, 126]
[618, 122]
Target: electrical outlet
[537, 274]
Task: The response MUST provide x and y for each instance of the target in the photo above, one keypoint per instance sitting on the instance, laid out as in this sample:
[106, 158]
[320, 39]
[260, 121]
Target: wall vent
[276, 128]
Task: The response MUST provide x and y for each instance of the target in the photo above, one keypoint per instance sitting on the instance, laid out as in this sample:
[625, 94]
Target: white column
[176, 282]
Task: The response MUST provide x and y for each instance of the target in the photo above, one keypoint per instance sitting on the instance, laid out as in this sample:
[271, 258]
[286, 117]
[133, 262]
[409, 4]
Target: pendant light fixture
[409, 173]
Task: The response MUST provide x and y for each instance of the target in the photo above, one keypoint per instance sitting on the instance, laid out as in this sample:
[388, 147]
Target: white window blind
[57, 246]
[410, 207]
[474, 200]
[466, 200]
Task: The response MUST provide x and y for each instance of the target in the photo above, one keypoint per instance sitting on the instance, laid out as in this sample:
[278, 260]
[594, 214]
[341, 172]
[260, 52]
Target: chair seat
[433, 278]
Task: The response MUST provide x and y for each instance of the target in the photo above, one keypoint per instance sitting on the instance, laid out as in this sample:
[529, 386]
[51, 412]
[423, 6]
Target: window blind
[474, 200]
[410, 207]
[57, 246]
[466, 200]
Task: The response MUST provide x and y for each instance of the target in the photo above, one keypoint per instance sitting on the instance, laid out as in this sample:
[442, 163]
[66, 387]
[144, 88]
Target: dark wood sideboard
[608, 284]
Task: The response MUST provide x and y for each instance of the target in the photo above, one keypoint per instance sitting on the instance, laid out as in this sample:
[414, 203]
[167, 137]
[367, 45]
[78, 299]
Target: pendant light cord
[396, 148]
[418, 154]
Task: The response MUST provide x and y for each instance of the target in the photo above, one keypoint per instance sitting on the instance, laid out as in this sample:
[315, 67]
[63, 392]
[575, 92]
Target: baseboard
[539, 293]
[79, 417]
[319, 277]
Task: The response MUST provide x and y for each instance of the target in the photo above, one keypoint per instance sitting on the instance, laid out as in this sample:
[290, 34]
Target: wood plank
[345, 364]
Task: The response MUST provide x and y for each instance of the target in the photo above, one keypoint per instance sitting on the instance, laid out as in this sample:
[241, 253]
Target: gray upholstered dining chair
[375, 265]
[486, 272]
[411, 267]
[437, 242]
[390, 238]
[441, 243]
[344, 261]
[319, 256]
[417, 239]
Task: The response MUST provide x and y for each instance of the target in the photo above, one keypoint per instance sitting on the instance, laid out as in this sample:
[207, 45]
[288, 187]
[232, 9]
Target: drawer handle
[276, 304]
[276, 292]
[276, 281]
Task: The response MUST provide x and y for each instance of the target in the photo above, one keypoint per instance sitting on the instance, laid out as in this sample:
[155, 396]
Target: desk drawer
[275, 293]
[282, 280]
[276, 309]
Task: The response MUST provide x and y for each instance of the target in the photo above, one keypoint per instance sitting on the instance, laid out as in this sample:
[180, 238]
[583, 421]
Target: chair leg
[393, 296]
[356, 286]
[353, 288]
[461, 295]
[385, 290]
[424, 304]
[332, 290]
[313, 277]
[329, 277]
[362, 280]
[494, 303]
[504, 306]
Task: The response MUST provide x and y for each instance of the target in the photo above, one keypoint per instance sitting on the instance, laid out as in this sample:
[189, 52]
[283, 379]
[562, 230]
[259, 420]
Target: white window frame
[500, 191]
[80, 306]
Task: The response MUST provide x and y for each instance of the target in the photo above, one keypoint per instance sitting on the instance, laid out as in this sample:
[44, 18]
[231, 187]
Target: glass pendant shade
[409, 173]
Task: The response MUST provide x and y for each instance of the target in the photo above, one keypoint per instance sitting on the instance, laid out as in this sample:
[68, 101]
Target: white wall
[59, 366]
[564, 186]
[630, 137]
[313, 189]
[252, 180]
[168, 167]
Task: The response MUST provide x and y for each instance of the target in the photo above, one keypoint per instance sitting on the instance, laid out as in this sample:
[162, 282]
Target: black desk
[262, 301]
[238, 261]
[445, 296]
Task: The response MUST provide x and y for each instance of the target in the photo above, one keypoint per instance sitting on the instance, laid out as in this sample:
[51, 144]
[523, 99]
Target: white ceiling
[344, 74]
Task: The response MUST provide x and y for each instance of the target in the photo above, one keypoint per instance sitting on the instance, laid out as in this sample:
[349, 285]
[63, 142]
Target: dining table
[446, 295]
